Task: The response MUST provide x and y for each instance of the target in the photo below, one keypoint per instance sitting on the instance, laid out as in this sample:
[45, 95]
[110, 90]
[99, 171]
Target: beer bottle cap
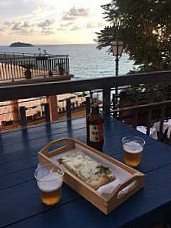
[95, 108]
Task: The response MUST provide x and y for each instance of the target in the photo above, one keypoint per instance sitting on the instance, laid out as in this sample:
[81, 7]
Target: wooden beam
[106, 101]
[15, 110]
[12, 92]
[52, 101]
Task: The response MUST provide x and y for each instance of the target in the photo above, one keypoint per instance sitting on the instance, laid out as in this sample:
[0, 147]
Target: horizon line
[49, 44]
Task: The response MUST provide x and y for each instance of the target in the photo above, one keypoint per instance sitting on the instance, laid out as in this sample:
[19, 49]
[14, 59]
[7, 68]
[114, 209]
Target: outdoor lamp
[117, 48]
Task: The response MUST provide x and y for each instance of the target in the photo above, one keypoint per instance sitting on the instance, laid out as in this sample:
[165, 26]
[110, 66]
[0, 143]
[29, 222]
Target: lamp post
[117, 48]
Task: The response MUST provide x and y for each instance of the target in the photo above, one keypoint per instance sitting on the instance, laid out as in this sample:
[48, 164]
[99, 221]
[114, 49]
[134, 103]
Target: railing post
[162, 118]
[87, 105]
[114, 105]
[23, 119]
[52, 101]
[68, 108]
[47, 112]
[15, 113]
[106, 101]
[91, 96]
[135, 117]
[149, 120]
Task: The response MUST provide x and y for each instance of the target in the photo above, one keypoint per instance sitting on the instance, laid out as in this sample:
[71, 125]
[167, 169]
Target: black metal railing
[21, 113]
[13, 65]
[138, 112]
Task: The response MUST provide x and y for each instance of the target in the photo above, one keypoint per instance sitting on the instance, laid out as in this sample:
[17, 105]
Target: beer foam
[50, 182]
[132, 147]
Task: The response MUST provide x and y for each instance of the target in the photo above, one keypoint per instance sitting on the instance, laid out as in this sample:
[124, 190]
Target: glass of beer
[49, 182]
[133, 147]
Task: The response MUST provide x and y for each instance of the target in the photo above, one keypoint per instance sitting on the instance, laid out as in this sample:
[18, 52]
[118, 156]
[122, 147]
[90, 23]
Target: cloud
[80, 12]
[16, 8]
[27, 28]
[47, 31]
[92, 25]
[46, 23]
[68, 18]
[26, 25]
[65, 26]
[61, 29]
[41, 10]
[25, 32]
[17, 26]
[46, 26]
[8, 23]
[74, 13]
[75, 28]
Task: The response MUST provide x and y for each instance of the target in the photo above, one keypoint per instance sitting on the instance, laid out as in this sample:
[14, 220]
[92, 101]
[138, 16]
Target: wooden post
[52, 101]
[47, 112]
[135, 117]
[15, 110]
[106, 101]
[68, 108]
[149, 120]
[162, 118]
[23, 119]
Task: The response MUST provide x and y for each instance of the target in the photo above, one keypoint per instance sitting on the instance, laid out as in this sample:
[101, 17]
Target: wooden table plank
[45, 131]
[42, 131]
[25, 198]
[24, 163]
[154, 157]
[18, 172]
[17, 178]
[81, 213]
[27, 194]
[21, 148]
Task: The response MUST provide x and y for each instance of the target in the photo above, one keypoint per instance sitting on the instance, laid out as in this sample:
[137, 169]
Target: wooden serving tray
[106, 203]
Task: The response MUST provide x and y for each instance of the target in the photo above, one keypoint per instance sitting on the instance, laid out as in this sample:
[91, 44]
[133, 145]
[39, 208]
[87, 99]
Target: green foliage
[146, 92]
[28, 66]
[145, 28]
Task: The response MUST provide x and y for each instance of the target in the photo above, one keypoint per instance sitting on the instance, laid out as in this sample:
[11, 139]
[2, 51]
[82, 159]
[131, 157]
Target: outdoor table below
[19, 196]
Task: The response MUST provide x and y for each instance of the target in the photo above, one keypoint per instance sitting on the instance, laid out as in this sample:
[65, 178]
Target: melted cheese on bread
[87, 169]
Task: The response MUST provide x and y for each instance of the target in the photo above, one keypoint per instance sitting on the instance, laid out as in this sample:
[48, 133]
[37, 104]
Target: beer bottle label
[96, 133]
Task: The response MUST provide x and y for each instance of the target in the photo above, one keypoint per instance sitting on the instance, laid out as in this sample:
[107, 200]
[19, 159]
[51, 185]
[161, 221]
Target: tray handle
[69, 145]
[138, 178]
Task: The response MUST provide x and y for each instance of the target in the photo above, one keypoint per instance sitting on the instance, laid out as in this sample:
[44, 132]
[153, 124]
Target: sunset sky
[50, 21]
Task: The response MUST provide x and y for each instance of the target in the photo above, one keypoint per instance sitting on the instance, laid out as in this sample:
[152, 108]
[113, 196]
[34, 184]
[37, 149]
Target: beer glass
[49, 182]
[132, 147]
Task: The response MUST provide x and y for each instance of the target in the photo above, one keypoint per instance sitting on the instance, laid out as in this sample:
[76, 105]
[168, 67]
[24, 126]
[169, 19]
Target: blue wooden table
[20, 205]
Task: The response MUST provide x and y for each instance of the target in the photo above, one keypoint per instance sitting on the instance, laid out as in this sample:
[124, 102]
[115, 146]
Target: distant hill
[20, 44]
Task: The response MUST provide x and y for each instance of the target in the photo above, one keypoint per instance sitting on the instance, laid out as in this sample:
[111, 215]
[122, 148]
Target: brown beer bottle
[95, 120]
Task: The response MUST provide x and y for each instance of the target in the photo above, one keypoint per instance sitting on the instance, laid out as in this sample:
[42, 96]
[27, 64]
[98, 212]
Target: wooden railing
[14, 65]
[111, 101]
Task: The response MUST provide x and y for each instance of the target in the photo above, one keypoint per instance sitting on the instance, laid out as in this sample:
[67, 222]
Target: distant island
[20, 44]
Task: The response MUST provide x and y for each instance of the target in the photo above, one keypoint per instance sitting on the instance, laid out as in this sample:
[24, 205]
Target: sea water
[86, 61]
